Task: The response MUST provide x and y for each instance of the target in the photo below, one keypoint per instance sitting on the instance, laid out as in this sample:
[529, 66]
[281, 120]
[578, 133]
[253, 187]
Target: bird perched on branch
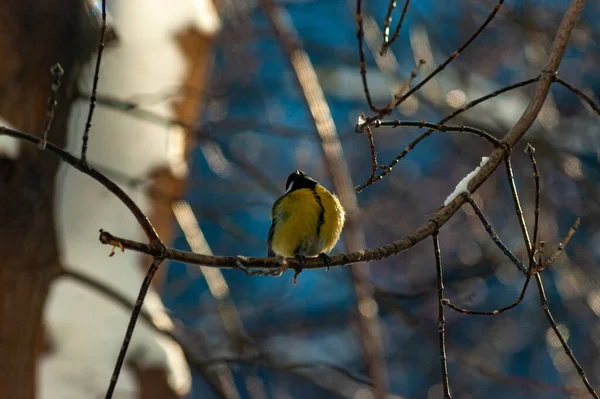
[306, 221]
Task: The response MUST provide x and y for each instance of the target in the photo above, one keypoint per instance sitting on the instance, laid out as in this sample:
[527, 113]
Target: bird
[306, 221]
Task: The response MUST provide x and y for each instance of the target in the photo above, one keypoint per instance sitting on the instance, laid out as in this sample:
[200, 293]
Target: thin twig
[131, 326]
[561, 246]
[563, 342]
[374, 164]
[57, 73]
[386, 23]
[88, 123]
[441, 319]
[488, 227]
[387, 43]
[493, 312]
[441, 128]
[529, 150]
[517, 203]
[404, 86]
[579, 94]
[360, 34]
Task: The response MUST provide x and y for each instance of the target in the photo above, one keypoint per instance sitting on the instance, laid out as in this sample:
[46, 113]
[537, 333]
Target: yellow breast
[306, 222]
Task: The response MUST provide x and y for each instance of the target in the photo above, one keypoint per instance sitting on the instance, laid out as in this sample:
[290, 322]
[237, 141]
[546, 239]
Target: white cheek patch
[289, 188]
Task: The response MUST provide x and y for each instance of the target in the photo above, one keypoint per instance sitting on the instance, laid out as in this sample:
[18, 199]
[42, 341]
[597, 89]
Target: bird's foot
[326, 259]
[298, 269]
[284, 265]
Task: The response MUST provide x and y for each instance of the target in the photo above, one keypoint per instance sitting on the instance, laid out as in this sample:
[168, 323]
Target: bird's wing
[276, 217]
[271, 230]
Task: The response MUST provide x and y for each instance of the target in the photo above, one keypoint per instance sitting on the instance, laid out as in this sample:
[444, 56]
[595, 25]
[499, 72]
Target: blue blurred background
[257, 128]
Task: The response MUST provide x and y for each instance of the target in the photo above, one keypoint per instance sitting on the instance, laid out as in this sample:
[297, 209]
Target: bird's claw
[284, 265]
[298, 269]
[326, 259]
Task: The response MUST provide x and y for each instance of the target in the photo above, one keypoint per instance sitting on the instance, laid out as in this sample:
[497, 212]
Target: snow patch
[461, 187]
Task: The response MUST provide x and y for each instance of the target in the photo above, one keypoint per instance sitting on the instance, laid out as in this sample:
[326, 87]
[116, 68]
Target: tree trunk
[34, 35]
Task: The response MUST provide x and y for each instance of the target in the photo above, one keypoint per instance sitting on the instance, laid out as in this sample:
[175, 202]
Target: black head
[298, 180]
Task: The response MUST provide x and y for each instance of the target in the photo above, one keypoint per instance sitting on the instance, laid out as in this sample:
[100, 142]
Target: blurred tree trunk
[34, 35]
[168, 185]
[196, 48]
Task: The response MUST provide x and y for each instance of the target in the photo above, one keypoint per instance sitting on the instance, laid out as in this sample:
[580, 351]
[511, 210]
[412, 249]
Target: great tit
[306, 221]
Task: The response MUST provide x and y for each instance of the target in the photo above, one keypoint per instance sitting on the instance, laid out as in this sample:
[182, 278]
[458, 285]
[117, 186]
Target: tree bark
[34, 35]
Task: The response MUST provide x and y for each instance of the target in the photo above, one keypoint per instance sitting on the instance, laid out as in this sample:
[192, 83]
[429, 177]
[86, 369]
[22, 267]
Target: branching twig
[561, 246]
[88, 123]
[388, 20]
[544, 301]
[545, 80]
[453, 56]
[57, 73]
[508, 253]
[363, 64]
[387, 169]
[374, 164]
[441, 319]
[538, 277]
